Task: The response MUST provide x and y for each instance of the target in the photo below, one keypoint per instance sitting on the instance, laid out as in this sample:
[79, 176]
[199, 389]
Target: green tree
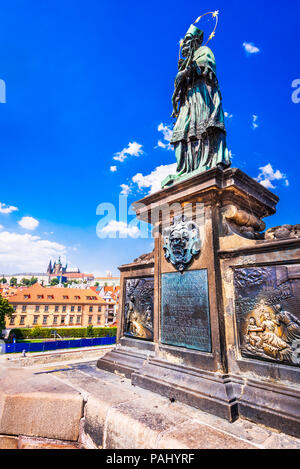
[6, 311]
[33, 280]
[54, 281]
[25, 282]
[3, 280]
[37, 332]
[90, 331]
[13, 282]
[97, 284]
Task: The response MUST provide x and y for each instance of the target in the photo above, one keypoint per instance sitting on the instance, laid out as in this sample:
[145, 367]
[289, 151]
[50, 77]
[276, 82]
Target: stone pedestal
[130, 352]
[197, 353]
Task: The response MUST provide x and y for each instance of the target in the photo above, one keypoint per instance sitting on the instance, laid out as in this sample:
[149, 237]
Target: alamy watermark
[296, 93]
[2, 91]
[142, 221]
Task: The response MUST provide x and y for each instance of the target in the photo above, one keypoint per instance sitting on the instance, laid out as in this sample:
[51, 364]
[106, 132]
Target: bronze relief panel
[267, 302]
[138, 309]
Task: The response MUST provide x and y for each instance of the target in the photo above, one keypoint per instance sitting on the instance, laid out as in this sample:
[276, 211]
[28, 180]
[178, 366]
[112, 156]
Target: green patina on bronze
[199, 136]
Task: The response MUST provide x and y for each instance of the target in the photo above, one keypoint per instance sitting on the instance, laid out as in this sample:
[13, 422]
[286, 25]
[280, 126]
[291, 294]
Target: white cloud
[254, 121]
[166, 130]
[133, 149]
[267, 175]
[28, 223]
[153, 180]
[7, 209]
[122, 228]
[125, 189]
[1, 227]
[229, 116]
[167, 134]
[113, 169]
[250, 48]
[26, 253]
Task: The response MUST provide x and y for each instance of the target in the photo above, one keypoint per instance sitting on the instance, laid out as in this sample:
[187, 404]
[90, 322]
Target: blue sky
[84, 79]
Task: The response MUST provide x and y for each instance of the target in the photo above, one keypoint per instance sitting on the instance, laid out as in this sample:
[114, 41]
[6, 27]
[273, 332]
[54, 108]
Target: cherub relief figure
[264, 339]
[252, 333]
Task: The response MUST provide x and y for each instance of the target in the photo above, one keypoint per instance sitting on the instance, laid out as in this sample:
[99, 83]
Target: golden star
[215, 13]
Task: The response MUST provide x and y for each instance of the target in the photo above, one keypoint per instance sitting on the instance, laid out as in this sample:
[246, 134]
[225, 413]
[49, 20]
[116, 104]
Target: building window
[79, 308]
[35, 319]
[78, 319]
[12, 320]
[65, 297]
[22, 320]
[15, 307]
[90, 319]
[72, 308]
[37, 308]
[40, 297]
[99, 309]
[55, 319]
[56, 308]
[64, 309]
[24, 308]
[71, 319]
[62, 321]
[45, 318]
[50, 297]
[46, 308]
[99, 319]
[90, 309]
[77, 297]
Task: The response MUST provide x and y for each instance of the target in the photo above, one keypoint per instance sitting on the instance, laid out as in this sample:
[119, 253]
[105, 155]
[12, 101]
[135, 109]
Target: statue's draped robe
[199, 135]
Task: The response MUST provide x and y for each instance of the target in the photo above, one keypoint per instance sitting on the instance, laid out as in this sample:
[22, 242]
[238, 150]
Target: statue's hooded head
[192, 40]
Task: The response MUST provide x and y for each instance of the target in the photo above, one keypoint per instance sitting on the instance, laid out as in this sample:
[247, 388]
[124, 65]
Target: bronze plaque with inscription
[185, 318]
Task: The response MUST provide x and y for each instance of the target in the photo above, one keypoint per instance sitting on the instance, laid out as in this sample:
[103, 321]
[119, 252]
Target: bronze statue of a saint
[199, 136]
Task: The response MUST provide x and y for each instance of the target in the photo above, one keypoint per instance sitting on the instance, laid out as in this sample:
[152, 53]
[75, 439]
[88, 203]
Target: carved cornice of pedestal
[261, 247]
[143, 261]
[229, 187]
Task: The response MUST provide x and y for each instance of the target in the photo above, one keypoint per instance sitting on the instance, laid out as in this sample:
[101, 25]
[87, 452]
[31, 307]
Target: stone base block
[8, 442]
[126, 358]
[211, 392]
[38, 405]
[271, 405]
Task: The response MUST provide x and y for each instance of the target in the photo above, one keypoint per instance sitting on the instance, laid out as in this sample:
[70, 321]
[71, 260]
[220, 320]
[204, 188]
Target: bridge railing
[58, 344]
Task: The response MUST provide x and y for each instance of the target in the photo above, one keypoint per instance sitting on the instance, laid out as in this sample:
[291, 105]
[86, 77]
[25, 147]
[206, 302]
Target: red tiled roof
[51, 295]
[73, 275]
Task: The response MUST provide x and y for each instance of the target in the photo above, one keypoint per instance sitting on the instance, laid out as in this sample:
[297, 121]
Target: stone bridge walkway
[75, 405]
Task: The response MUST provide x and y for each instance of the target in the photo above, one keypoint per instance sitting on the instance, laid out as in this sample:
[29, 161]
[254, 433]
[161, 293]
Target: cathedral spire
[49, 270]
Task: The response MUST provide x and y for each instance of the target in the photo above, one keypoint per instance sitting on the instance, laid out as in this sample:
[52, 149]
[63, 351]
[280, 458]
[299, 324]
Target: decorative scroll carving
[268, 314]
[283, 232]
[249, 226]
[181, 242]
[138, 309]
